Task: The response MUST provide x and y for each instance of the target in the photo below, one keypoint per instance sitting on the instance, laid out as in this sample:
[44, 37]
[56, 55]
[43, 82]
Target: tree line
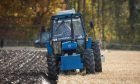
[114, 20]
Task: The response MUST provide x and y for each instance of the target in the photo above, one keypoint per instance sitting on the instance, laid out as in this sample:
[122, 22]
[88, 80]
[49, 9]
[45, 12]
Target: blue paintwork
[71, 62]
[88, 43]
[49, 48]
[69, 45]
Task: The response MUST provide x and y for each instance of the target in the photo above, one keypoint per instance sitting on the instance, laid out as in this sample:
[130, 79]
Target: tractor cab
[67, 27]
[67, 32]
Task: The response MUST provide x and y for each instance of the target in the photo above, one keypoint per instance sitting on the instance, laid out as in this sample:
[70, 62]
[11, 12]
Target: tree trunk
[132, 15]
[103, 24]
[68, 4]
[37, 19]
[79, 5]
[117, 19]
[84, 10]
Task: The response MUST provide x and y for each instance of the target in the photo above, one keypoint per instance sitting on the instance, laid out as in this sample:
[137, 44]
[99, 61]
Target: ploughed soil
[22, 66]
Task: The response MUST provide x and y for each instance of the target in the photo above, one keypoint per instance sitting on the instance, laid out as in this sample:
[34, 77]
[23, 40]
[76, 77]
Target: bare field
[120, 67]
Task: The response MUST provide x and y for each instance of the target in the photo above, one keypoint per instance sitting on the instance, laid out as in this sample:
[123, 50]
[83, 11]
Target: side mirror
[91, 24]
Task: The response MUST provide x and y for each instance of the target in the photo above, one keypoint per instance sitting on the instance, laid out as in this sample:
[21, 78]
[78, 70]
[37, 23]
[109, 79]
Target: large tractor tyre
[97, 56]
[89, 61]
[52, 70]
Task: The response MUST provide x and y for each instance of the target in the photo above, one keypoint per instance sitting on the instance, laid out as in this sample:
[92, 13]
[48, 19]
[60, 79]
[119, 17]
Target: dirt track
[120, 67]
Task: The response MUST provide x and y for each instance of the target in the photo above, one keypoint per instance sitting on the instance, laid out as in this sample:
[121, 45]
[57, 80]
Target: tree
[114, 20]
[132, 16]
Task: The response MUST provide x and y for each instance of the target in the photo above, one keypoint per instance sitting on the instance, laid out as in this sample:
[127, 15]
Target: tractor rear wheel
[89, 61]
[52, 70]
[97, 56]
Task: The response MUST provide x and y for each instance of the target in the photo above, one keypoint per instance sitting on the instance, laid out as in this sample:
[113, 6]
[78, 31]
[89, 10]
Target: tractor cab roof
[66, 14]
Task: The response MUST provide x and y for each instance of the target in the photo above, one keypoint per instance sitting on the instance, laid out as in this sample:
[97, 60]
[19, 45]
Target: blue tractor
[69, 47]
